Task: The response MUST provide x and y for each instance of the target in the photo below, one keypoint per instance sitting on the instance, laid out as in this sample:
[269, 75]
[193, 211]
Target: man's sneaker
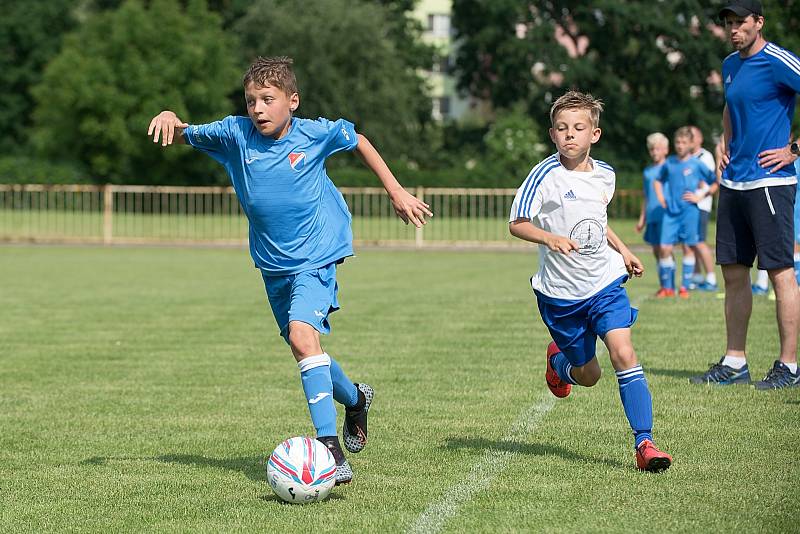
[683, 293]
[665, 293]
[707, 286]
[759, 290]
[649, 458]
[558, 387]
[344, 473]
[722, 375]
[354, 430]
[779, 377]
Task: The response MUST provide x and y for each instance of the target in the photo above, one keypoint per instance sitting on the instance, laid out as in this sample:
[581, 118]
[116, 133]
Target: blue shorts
[702, 230]
[756, 223]
[681, 228]
[652, 233]
[309, 296]
[575, 325]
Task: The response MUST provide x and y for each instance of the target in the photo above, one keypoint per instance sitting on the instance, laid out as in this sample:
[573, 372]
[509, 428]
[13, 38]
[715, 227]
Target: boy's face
[658, 152]
[573, 133]
[683, 146]
[270, 108]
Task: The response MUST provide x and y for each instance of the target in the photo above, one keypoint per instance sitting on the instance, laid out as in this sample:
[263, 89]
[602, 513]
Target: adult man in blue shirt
[757, 192]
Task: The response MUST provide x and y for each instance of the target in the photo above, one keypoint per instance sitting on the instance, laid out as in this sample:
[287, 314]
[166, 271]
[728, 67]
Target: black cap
[742, 8]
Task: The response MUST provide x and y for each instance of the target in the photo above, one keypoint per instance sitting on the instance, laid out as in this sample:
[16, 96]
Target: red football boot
[558, 387]
[649, 458]
[665, 293]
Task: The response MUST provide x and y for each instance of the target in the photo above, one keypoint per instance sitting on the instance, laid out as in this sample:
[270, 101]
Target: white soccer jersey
[571, 204]
[706, 157]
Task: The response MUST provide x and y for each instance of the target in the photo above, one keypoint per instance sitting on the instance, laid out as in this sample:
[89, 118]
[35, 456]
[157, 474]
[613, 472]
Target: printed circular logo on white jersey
[589, 234]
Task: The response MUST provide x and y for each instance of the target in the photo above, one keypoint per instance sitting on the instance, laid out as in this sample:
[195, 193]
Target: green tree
[347, 65]
[650, 62]
[514, 143]
[119, 69]
[30, 33]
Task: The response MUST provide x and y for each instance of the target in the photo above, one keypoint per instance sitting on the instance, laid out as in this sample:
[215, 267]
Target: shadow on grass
[533, 449]
[252, 466]
[682, 374]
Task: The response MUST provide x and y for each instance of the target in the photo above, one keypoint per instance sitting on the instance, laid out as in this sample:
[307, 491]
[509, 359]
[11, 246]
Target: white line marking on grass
[491, 464]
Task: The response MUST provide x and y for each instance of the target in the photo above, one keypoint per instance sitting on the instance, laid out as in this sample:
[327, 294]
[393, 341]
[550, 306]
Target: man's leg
[738, 306]
[787, 310]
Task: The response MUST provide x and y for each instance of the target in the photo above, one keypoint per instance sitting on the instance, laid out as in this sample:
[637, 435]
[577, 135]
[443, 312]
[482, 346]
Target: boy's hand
[165, 124]
[564, 245]
[633, 264]
[688, 196]
[409, 208]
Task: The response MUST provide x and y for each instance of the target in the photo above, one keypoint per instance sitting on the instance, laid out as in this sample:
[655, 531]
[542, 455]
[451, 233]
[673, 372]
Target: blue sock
[562, 367]
[315, 373]
[344, 391]
[688, 271]
[666, 273]
[637, 402]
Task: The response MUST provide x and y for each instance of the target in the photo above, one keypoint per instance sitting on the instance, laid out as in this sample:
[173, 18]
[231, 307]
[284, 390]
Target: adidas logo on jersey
[728, 79]
[570, 195]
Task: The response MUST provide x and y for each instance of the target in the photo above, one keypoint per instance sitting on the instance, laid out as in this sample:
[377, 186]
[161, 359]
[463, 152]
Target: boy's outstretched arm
[633, 264]
[167, 124]
[407, 206]
[524, 229]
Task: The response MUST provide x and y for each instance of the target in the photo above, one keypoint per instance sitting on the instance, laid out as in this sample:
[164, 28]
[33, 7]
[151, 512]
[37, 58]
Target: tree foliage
[652, 63]
[120, 68]
[347, 65]
[30, 33]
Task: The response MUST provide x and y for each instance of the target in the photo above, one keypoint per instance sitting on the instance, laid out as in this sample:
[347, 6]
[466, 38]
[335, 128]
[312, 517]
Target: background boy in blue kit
[562, 205]
[681, 223]
[299, 227]
[651, 215]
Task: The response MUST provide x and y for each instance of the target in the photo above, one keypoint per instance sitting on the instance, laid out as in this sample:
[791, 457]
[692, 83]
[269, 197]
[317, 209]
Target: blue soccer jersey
[760, 94]
[298, 219]
[680, 177]
[652, 209]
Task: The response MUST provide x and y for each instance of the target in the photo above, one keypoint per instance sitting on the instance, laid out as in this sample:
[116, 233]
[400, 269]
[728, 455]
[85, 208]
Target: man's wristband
[795, 148]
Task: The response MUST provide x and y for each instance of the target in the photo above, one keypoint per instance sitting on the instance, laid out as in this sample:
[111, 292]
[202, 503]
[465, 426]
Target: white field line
[491, 464]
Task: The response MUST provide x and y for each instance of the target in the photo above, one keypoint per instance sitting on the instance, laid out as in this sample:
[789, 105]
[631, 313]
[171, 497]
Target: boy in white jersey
[561, 205]
[299, 227]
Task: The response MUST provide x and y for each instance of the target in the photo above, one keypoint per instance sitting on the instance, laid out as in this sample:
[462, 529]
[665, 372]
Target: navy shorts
[308, 296]
[756, 223]
[575, 325]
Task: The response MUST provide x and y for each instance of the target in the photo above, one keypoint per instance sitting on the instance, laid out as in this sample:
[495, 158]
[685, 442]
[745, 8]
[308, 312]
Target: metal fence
[121, 214]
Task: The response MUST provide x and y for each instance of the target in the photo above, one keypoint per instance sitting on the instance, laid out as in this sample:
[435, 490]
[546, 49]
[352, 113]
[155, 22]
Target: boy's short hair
[274, 71]
[657, 138]
[684, 131]
[577, 100]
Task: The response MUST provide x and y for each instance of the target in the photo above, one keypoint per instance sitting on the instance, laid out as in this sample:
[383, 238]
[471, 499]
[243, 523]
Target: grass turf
[141, 389]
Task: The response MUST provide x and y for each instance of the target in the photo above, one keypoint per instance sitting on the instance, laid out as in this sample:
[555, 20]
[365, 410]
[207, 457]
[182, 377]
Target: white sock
[711, 278]
[736, 362]
[792, 367]
[763, 279]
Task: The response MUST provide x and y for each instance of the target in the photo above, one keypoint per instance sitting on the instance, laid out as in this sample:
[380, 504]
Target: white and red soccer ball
[301, 470]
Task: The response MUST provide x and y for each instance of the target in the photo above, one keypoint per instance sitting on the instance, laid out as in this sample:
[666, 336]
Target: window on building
[439, 25]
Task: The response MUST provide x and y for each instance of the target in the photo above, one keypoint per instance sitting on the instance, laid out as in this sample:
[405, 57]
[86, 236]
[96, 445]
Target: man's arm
[527, 231]
[166, 124]
[724, 158]
[407, 206]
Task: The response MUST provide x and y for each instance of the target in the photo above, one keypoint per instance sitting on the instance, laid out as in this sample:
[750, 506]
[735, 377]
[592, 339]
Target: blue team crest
[297, 160]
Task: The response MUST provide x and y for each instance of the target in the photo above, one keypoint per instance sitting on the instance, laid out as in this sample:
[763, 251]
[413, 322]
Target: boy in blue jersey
[761, 81]
[652, 213]
[681, 223]
[561, 205]
[299, 227]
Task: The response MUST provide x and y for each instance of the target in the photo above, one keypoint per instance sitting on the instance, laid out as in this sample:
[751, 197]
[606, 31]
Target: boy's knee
[303, 339]
[588, 375]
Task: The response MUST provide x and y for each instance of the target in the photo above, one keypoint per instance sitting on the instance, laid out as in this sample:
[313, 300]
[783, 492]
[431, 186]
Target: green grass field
[141, 388]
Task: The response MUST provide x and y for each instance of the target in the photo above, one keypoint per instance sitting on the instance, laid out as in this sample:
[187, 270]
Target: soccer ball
[301, 470]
